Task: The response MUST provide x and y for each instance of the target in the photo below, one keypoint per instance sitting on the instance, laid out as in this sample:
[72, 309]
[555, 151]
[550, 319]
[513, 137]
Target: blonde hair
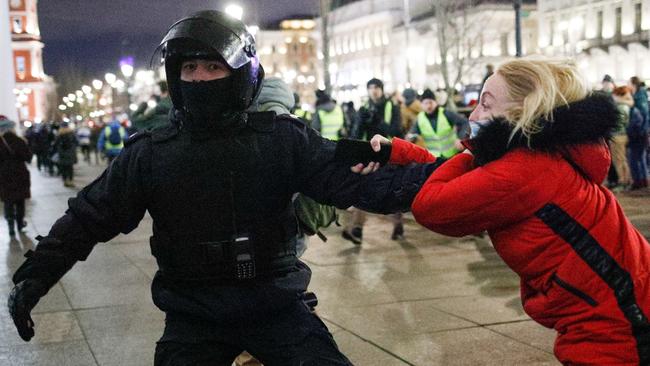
[537, 86]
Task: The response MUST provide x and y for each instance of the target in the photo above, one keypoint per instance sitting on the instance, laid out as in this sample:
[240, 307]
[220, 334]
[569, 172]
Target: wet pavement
[425, 300]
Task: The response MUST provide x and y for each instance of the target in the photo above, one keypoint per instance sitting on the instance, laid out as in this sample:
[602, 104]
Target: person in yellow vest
[441, 130]
[111, 140]
[297, 110]
[379, 115]
[329, 118]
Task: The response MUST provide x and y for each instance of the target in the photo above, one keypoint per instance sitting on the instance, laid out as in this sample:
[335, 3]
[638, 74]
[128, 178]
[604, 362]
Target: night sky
[90, 36]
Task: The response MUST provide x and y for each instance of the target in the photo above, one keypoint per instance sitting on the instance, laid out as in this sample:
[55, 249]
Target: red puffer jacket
[583, 266]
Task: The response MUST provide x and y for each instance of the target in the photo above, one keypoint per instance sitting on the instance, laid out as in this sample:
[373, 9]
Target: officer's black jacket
[295, 159]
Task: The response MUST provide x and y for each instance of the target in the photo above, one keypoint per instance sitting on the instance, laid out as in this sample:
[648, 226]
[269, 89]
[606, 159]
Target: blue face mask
[476, 126]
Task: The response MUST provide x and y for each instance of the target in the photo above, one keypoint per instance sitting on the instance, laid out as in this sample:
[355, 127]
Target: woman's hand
[365, 170]
[377, 141]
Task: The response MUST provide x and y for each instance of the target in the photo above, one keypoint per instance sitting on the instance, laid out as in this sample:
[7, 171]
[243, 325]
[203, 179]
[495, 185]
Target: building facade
[397, 41]
[32, 85]
[604, 36]
[290, 53]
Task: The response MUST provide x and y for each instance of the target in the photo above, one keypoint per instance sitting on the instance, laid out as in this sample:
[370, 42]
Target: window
[637, 18]
[599, 24]
[20, 66]
[619, 23]
[17, 23]
[504, 44]
[552, 28]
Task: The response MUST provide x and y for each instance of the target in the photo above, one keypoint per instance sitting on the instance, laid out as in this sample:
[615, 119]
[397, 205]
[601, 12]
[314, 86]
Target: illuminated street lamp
[97, 84]
[86, 89]
[127, 70]
[235, 11]
[110, 78]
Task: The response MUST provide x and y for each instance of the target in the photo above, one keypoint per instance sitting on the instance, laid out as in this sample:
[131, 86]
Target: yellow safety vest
[441, 143]
[107, 142]
[331, 122]
[303, 114]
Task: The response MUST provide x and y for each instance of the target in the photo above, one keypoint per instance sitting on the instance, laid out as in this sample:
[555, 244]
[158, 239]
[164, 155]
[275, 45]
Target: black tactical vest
[221, 204]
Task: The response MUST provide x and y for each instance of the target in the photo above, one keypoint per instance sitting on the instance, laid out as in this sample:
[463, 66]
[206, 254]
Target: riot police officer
[217, 183]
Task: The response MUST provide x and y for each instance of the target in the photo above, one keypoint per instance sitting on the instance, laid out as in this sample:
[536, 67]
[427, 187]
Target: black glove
[22, 299]
[43, 268]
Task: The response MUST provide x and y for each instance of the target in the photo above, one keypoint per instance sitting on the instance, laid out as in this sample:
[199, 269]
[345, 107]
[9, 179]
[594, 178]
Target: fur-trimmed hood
[588, 121]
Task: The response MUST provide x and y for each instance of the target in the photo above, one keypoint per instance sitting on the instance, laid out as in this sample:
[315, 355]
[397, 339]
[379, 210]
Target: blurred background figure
[96, 129]
[66, 153]
[297, 110]
[618, 145]
[409, 109]
[329, 118]
[83, 137]
[14, 176]
[441, 130]
[154, 113]
[608, 84]
[379, 115]
[111, 140]
[39, 144]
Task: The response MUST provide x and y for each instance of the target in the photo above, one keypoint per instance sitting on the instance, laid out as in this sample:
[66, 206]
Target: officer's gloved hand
[43, 268]
[22, 299]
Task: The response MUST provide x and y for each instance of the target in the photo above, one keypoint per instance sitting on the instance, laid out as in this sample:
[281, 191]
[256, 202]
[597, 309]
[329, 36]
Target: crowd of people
[526, 166]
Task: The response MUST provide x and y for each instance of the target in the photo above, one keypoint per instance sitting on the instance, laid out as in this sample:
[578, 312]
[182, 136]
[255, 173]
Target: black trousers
[85, 151]
[15, 211]
[42, 160]
[67, 172]
[294, 337]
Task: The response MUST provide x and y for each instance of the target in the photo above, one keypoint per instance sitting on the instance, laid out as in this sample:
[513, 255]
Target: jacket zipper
[588, 299]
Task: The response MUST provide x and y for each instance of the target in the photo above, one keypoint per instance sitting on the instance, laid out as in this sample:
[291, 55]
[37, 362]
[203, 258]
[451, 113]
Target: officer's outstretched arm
[115, 202]
[331, 182]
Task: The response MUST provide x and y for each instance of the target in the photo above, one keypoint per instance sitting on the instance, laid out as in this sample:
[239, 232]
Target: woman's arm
[459, 199]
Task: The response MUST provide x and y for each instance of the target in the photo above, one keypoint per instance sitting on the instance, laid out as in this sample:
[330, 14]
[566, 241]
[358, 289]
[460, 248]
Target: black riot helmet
[212, 34]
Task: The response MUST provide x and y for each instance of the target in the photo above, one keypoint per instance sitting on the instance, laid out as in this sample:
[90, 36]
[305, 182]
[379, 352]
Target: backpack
[312, 216]
[115, 137]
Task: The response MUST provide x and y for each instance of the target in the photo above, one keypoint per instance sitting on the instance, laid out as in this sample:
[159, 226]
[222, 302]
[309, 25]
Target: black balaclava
[208, 104]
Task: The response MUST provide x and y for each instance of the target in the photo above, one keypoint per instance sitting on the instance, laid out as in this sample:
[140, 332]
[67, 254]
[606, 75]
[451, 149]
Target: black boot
[22, 224]
[12, 232]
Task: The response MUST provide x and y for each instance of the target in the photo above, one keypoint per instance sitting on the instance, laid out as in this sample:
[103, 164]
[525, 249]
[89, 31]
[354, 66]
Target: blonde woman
[531, 178]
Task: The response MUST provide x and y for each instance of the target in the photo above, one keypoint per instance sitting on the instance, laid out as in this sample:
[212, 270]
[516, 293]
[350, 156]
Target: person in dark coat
[65, 146]
[39, 144]
[14, 176]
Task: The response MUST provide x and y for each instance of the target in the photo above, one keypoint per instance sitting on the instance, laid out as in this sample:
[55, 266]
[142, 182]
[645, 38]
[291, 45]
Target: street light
[235, 11]
[127, 70]
[110, 78]
[97, 84]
